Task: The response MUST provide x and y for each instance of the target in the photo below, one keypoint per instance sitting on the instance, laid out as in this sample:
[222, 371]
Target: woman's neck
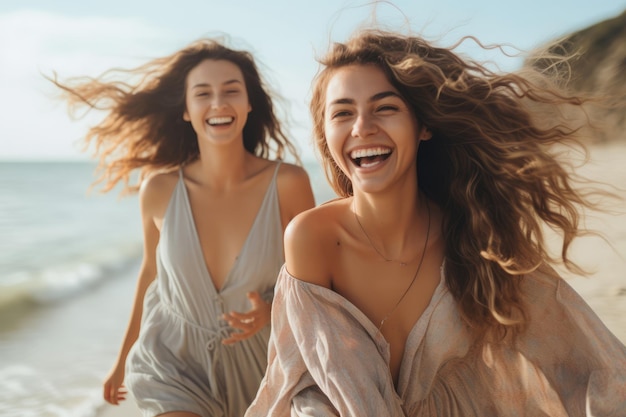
[222, 168]
[391, 221]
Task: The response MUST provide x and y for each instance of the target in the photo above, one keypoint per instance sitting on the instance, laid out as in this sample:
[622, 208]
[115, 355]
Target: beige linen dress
[179, 362]
[326, 358]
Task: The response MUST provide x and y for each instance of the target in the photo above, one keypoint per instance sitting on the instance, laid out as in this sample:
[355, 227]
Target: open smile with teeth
[369, 157]
[219, 121]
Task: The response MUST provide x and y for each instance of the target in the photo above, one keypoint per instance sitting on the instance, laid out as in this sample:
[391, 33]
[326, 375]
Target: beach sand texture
[605, 291]
[125, 409]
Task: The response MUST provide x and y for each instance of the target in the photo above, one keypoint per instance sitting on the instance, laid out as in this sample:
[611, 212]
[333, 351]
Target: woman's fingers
[250, 322]
[114, 395]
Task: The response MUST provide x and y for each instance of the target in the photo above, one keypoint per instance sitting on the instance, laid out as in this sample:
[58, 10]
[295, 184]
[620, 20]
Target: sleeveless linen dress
[178, 362]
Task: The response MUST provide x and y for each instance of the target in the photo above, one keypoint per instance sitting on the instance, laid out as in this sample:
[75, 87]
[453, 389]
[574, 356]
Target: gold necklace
[419, 265]
[401, 263]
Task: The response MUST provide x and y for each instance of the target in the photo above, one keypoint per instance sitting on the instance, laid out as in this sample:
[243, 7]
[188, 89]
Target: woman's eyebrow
[375, 97]
[203, 85]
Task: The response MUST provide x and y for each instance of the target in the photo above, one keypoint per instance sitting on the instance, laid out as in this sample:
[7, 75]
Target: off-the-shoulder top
[326, 358]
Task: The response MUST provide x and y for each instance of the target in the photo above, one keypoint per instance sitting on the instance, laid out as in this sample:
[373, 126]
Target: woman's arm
[151, 202]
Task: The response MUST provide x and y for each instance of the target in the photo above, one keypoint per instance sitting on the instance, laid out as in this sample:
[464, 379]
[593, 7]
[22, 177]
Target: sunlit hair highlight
[491, 164]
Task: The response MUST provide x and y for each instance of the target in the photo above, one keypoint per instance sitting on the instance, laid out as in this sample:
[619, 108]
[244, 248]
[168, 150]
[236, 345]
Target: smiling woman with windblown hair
[200, 126]
[427, 289]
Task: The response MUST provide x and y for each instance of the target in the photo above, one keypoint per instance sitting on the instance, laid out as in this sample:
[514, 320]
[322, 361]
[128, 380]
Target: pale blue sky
[87, 37]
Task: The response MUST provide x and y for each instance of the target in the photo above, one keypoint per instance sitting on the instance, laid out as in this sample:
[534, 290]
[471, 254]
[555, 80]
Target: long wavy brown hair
[489, 165]
[144, 127]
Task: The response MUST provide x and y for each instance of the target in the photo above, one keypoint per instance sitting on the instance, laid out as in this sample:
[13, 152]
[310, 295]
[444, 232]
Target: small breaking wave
[56, 283]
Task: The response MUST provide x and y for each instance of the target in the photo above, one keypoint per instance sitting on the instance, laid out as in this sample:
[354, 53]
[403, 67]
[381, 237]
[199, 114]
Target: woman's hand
[248, 323]
[114, 390]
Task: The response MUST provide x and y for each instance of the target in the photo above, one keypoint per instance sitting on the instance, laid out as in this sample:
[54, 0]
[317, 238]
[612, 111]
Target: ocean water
[55, 238]
[68, 265]
[59, 246]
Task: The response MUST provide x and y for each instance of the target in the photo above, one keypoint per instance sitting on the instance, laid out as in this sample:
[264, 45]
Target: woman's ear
[186, 116]
[425, 134]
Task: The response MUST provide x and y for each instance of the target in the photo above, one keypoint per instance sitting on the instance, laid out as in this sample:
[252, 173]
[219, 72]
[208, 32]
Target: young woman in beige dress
[200, 127]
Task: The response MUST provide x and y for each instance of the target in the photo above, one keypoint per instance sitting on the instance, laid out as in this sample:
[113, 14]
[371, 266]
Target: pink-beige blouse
[326, 358]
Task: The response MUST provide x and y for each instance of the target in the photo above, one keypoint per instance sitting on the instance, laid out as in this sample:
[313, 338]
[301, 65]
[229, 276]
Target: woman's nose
[363, 126]
[217, 102]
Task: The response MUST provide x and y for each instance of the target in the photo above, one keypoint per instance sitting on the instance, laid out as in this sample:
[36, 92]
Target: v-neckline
[198, 246]
[415, 335]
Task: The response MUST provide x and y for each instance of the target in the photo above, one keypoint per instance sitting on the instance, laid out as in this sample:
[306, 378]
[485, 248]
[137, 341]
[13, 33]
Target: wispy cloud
[35, 42]
[36, 38]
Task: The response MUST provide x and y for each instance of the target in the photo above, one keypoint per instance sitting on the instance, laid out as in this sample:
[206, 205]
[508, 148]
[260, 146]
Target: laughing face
[371, 133]
[217, 101]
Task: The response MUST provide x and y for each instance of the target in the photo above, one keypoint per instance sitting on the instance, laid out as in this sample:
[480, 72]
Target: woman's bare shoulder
[292, 174]
[294, 190]
[311, 242]
[319, 222]
[156, 191]
[159, 183]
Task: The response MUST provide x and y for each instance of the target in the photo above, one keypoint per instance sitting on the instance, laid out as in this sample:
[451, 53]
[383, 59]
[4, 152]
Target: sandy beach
[125, 409]
[605, 290]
